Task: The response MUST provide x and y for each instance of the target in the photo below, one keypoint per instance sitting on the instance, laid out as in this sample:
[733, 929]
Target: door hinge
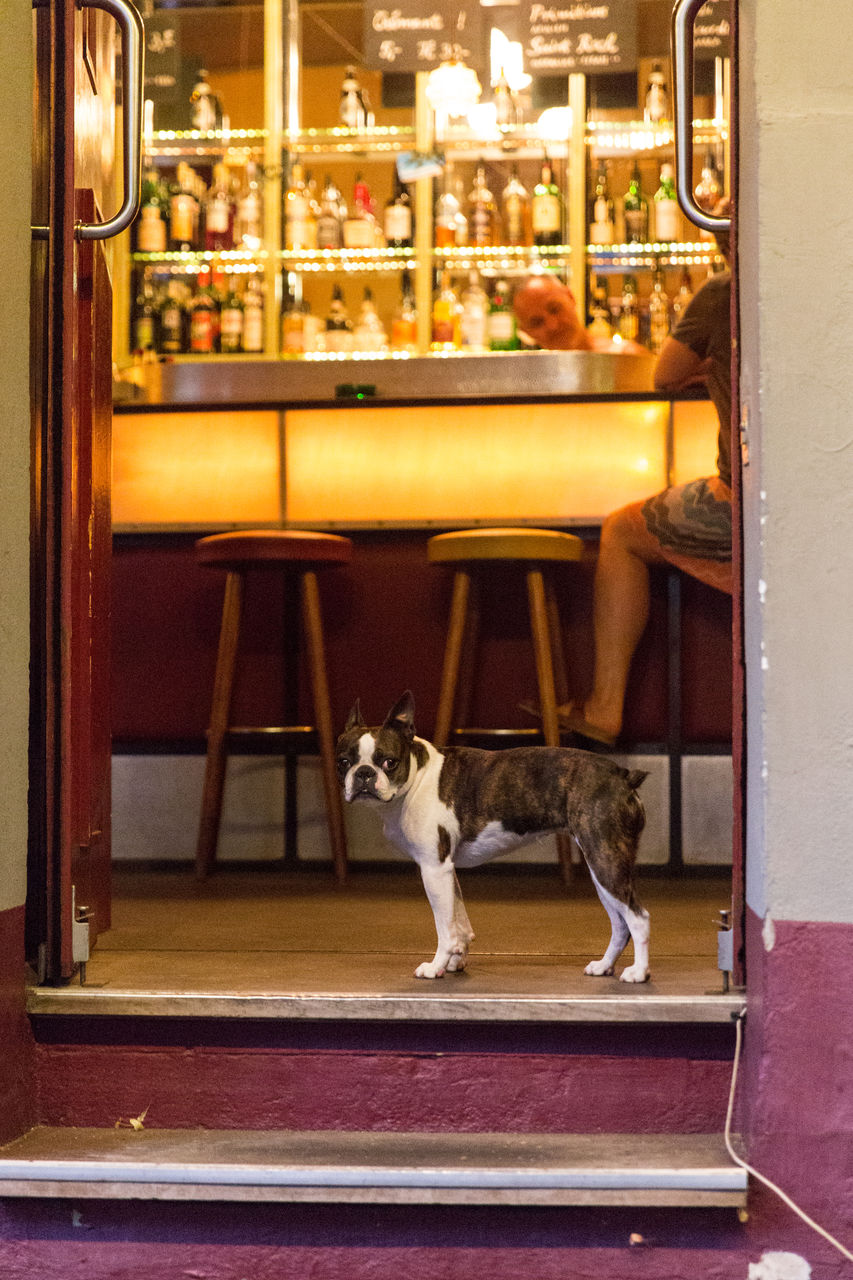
[725, 948]
[80, 917]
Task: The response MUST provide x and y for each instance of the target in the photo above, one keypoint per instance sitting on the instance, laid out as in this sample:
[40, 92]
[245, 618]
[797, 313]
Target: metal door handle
[132, 69]
[681, 43]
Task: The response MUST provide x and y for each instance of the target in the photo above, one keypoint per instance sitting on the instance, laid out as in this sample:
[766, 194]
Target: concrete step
[686, 1170]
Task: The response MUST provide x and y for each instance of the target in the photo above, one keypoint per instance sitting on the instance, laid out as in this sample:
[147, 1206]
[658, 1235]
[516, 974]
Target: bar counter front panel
[390, 474]
[490, 451]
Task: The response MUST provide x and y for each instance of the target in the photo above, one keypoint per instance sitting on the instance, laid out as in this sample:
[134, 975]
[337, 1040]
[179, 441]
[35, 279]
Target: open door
[684, 15]
[74, 153]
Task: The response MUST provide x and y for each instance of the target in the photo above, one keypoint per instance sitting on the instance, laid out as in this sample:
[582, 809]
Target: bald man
[547, 312]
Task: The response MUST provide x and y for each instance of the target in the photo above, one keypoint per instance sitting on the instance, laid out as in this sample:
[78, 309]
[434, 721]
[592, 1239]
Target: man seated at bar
[546, 311]
[687, 525]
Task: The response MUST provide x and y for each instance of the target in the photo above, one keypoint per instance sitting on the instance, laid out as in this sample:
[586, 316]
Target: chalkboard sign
[417, 35]
[712, 31]
[578, 35]
[162, 58]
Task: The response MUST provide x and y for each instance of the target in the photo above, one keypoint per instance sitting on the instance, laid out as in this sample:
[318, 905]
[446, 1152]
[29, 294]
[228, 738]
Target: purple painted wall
[796, 1087]
[652, 1079]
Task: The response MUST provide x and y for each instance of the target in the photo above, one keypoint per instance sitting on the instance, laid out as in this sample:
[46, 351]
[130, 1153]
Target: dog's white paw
[599, 969]
[457, 963]
[634, 973]
[429, 970]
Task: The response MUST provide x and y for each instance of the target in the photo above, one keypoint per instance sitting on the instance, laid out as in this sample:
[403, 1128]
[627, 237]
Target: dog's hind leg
[625, 922]
[619, 934]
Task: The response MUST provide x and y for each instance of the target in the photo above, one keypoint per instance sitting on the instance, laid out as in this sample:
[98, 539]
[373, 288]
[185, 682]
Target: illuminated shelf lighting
[226, 136]
[637, 135]
[649, 249]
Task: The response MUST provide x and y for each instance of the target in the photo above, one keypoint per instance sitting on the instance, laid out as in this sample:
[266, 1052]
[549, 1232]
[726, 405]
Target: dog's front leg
[451, 921]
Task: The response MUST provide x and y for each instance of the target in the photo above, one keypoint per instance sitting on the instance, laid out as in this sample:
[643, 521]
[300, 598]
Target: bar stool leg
[217, 734]
[539, 626]
[323, 719]
[561, 680]
[452, 653]
[468, 659]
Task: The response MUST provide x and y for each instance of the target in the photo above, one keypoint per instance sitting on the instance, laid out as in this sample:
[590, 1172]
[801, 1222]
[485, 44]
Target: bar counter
[424, 442]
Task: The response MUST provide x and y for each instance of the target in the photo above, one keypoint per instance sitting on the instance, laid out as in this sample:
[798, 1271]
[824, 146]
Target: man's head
[545, 309]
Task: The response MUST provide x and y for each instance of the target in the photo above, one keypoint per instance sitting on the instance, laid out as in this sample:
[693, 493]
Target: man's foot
[573, 720]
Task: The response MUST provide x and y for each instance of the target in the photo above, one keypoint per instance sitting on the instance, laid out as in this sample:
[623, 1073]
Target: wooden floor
[297, 937]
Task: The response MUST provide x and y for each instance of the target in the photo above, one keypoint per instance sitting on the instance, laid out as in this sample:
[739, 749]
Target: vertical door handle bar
[132, 70]
[681, 44]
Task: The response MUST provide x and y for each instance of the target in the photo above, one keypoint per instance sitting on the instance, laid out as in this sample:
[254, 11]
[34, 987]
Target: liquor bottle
[292, 328]
[205, 108]
[253, 315]
[600, 325]
[658, 314]
[515, 202]
[360, 230]
[474, 320]
[629, 310]
[636, 209]
[249, 220]
[683, 297]
[666, 207]
[338, 330]
[482, 211]
[300, 225]
[231, 322]
[501, 320]
[151, 230]
[369, 332]
[445, 331]
[601, 219]
[451, 225]
[352, 111]
[404, 326]
[398, 217]
[506, 114]
[629, 314]
[656, 101]
[547, 208]
[330, 218]
[173, 336]
[708, 189]
[313, 332]
[204, 317]
[183, 211]
[145, 317]
[219, 212]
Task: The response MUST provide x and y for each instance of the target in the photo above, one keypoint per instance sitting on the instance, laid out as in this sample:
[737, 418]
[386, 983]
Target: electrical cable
[836, 1244]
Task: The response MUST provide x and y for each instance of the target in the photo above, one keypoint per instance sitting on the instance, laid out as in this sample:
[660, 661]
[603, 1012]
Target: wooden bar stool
[537, 550]
[299, 555]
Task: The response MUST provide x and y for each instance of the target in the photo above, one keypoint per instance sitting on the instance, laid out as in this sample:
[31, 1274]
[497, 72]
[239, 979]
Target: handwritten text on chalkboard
[579, 36]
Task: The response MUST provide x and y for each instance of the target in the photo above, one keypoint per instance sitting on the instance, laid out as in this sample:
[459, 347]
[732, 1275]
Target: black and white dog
[461, 807]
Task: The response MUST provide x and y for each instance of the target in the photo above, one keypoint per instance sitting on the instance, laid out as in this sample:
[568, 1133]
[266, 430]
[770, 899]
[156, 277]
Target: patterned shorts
[689, 526]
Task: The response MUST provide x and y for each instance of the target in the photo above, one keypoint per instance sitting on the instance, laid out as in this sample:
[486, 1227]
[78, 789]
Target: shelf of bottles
[206, 272]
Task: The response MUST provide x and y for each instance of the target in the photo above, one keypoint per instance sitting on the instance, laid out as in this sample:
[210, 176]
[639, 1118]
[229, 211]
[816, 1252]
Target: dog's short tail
[635, 777]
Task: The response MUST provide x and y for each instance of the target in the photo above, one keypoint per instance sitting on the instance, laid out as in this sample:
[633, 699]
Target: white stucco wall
[15, 95]
[796, 279]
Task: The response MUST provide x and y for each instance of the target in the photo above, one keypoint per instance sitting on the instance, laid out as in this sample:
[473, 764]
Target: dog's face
[376, 764]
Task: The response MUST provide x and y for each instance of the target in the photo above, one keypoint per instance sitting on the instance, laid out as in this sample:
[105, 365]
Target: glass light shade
[452, 88]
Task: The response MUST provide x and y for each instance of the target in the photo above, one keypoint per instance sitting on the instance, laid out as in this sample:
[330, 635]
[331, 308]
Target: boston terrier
[460, 807]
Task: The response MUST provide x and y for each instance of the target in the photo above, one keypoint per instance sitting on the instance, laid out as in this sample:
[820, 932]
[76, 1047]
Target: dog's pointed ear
[402, 716]
[354, 718]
